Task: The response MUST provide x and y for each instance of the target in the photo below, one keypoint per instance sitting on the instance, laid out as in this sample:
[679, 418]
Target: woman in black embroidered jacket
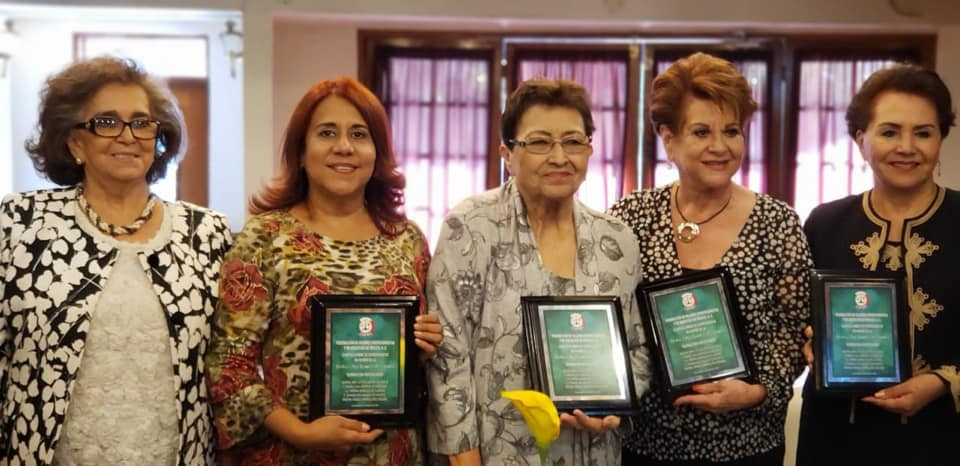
[906, 223]
[107, 291]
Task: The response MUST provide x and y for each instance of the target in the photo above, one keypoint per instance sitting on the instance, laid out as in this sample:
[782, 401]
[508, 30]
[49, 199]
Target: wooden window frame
[375, 48]
[783, 52]
[918, 48]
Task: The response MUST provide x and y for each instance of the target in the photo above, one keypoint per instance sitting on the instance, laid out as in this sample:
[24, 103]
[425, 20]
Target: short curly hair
[63, 99]
[547, 92]
[702, 76]
[906, 78]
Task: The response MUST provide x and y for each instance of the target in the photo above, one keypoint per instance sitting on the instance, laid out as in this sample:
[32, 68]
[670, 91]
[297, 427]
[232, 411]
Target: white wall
[305, 52]
[259, 152]
[640, 13]
[47, 46]
[637, 12]
[6, 139]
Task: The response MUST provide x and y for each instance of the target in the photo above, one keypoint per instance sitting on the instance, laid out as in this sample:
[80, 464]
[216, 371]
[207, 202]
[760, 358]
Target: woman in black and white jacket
[107, 291]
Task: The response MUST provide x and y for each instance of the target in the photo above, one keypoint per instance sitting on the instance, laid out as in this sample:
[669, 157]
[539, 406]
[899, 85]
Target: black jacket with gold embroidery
[847, 234]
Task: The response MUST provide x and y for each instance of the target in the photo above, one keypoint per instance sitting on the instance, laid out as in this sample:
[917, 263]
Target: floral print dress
[260, 357]
[486, 260]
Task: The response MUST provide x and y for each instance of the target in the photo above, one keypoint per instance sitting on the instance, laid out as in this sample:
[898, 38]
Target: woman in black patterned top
[106, 291]
[699, 106]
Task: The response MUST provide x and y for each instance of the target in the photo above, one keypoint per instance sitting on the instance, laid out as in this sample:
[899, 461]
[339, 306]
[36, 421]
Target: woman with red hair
[330, 223]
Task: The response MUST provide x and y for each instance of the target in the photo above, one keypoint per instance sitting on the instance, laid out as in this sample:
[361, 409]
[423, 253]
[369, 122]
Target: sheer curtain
[439, 112]
[752, 172]
[605, 80]
[829, 165]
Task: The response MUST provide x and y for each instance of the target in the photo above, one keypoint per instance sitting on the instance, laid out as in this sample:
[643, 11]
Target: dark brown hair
[548, 92]
[383, 194]
[63, 98]
[906, 78]
[704, 77]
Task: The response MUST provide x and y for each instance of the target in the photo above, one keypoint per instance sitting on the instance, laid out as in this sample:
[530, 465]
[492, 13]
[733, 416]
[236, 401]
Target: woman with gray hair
[108, 290]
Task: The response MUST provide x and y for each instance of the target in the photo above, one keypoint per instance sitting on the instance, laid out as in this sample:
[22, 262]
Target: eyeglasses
[111, 127]
[571, 145]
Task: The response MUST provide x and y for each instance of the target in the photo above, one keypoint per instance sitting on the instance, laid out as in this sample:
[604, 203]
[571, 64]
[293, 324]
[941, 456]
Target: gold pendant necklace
[688, 231]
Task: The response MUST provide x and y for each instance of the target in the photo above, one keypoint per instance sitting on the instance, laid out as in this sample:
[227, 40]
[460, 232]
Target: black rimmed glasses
[111, 127]
[571, 145]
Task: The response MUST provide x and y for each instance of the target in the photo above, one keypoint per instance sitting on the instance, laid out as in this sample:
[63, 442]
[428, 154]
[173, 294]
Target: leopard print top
[262, 326]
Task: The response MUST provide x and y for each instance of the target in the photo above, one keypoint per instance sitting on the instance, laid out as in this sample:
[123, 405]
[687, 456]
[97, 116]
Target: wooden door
[193, 174]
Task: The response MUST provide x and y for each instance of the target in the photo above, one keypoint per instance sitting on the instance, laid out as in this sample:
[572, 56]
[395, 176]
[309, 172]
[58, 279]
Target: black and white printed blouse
[53, 274]
[770, 265]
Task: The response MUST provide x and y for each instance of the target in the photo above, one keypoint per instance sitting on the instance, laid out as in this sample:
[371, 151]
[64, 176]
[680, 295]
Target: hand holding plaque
[694, 323]
[362, 359]
[577, 353]
[861, 339]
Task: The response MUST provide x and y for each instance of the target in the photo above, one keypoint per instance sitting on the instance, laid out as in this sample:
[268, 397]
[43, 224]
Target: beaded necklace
[109, 228]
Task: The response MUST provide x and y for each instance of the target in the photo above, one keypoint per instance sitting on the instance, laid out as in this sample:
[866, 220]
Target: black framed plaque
[363, 362]
[577, 351]
[695, 327]
[861, 340]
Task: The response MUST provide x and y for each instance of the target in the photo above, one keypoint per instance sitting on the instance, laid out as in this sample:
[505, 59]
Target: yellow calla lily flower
[540, 414]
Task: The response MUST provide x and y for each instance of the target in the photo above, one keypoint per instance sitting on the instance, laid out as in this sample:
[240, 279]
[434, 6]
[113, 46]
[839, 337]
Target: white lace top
[123, 409]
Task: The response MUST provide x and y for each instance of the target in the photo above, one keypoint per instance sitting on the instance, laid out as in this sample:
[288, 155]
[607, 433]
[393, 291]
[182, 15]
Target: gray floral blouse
[485, 261]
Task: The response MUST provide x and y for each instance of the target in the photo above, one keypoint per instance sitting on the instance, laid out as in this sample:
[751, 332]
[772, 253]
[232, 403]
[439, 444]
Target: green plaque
[365, 366]
[698, 335]
[579, 345]
[577, 353]
[363, 360]
[860, 327]
[694, 322]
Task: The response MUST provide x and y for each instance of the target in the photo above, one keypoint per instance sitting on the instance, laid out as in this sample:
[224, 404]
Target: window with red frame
[797, 149]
